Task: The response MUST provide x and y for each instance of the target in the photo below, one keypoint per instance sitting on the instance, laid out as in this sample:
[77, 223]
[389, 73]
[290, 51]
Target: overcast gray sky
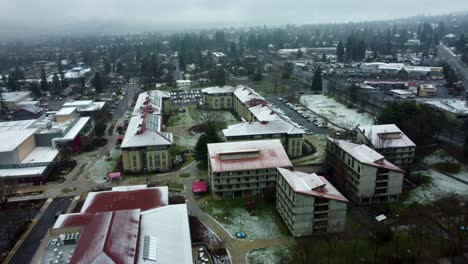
[195, 13]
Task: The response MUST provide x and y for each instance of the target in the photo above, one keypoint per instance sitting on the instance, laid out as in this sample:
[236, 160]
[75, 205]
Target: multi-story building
[218, 97]
[291, 136]
[12, 100]
[145, 147]
[389, 141]
[363, 175]
[29, 148]
[427, 90]
[309, 203]
[245, 167]
[132, 224]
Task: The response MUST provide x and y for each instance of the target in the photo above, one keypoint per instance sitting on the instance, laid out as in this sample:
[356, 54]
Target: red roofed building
[245, 167]
[143, 199]
[127, 230]
[309, 203]
[363, 174]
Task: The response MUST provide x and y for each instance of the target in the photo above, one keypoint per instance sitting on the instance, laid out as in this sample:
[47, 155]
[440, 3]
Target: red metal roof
[199, 187]
[108, 237]
[271, 155]
[143, 199]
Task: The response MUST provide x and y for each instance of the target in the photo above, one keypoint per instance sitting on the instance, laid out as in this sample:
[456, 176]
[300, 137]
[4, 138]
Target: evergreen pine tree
[44, 84]
[220, 77]
[340, 52]
[56, 85]
[317, 81]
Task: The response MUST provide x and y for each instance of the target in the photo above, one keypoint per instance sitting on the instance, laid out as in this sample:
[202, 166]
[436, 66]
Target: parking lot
[186, 97]
[310, 122]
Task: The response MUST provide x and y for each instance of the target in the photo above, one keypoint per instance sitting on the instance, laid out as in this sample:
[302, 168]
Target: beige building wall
[294, 147]
[364, 183]
[155, 160]
[305, 215]
[26, 148]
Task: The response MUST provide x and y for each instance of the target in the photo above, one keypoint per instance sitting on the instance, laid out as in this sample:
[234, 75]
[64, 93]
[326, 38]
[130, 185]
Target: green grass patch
[68, 189]
[175, 186]
[174, 120]
[184, 175]
[189, 160]
[447, 167]
[177, 149]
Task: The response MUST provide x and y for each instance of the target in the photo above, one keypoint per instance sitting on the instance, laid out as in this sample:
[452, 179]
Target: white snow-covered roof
[136, 136]
[377, 135]
[130, 187]
[263, 113]
[311, 184]
[65, 111]
[262, 128]
[245, 94]
[28, 102]
[219, 90]
[456, 106]
[20, 172]
[365, 155]
[15, 97]
[16, 125]
[12, 139]
[77, 103]
[168, 228]
[77, 127]
[152, 99]
[40, 155]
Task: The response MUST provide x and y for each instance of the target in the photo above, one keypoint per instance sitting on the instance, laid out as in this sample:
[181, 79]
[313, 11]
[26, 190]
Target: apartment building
[389, 141]
[145, 147]
[290, 136]
[245, 167]
[216, 98]
[363, 175]
[309, 204]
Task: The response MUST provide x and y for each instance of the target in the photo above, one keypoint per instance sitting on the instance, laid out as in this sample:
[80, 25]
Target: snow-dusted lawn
[265, 224]
[266, 256]
[103, 166]
[442, 156]
[440, 186]
[336, 112]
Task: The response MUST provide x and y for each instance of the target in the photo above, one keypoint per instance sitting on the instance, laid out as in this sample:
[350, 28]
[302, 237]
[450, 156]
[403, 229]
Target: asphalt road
[297, 118]
[447, 55]
[27, 250]
[122, 106]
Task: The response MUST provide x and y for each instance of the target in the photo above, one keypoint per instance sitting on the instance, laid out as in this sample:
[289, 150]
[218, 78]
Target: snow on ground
[260, 226]
[103, 166]
[442, 156]
[440, 186]
[335, 112]
[266, 256]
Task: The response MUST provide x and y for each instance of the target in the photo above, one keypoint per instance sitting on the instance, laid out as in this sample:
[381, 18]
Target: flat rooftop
[41, 155]
[261, 128]
[14, 96]
[219, 90]
[12, 139]
[271, 155]
[372, 134]
[456, 106]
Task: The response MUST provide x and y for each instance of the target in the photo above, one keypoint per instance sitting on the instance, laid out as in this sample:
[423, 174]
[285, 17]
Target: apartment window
[359, 169]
